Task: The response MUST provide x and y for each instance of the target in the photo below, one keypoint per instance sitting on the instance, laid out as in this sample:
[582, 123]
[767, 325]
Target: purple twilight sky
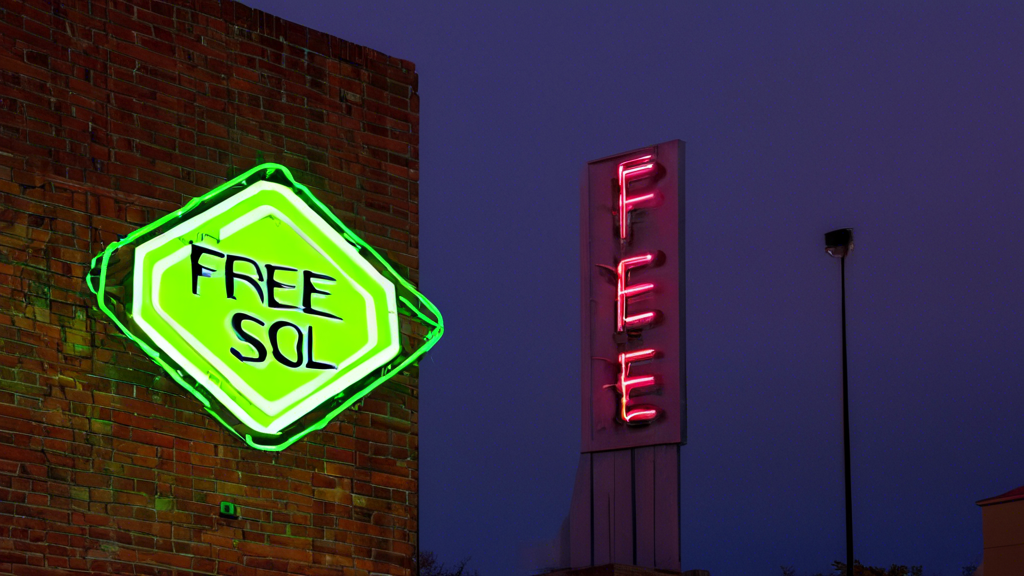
[902, 120]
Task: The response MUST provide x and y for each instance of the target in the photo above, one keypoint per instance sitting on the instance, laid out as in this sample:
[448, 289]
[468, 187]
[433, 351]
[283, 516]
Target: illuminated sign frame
[126, 279]
[633, 299]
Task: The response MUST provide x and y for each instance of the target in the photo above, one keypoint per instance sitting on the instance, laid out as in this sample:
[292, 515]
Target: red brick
[148, 104]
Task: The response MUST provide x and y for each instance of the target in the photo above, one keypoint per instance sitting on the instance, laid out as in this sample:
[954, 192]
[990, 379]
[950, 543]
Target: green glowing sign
[262, 304]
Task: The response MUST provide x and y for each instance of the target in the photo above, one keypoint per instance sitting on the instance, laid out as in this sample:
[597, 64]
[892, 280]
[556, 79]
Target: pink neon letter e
[626, 385]
[622, 320]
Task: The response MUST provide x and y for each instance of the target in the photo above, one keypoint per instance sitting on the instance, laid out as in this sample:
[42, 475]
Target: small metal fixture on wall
[228, 510]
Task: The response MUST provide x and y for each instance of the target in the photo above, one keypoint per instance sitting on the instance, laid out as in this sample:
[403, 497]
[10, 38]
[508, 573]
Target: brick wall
[111, 115]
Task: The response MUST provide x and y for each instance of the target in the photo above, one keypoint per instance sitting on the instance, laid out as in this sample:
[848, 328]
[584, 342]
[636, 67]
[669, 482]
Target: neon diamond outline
[109, 286]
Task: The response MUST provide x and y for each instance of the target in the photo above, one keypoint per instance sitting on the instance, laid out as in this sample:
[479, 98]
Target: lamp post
[838, 244]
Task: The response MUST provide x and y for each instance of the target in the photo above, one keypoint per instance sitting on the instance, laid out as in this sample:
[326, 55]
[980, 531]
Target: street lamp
[839, 244]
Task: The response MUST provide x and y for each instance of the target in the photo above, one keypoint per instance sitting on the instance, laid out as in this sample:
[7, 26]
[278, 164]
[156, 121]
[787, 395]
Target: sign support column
[625, 505]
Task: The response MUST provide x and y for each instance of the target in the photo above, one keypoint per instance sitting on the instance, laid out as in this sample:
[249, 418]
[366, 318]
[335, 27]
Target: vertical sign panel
[666, 512]
[633, 304]
[643, 479]
[581, 515]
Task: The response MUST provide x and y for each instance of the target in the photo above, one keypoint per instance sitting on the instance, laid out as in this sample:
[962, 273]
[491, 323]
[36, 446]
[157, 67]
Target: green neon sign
[259, 301]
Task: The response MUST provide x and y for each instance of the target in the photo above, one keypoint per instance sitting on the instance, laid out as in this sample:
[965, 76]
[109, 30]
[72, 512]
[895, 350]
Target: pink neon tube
[631, 170]
[626, 384]
[622, 321]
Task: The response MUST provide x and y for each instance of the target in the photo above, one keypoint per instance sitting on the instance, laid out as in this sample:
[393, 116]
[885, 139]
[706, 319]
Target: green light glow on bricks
[264, 305]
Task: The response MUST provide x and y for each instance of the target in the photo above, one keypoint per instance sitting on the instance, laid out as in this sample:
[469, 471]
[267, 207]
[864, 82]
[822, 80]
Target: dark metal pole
[838, 244]
[846, 430]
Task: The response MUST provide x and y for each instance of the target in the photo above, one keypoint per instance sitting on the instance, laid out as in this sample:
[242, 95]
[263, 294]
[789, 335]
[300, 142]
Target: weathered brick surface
[113, 113]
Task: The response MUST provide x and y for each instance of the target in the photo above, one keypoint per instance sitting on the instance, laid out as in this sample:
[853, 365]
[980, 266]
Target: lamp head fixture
[839, 243]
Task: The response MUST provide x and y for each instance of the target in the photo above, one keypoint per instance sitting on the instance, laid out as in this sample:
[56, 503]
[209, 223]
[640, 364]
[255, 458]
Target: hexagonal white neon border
[271, 408]
[313, 401]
